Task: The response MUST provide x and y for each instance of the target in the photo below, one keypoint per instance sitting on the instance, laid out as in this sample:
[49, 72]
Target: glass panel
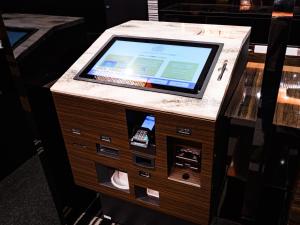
[254, 13]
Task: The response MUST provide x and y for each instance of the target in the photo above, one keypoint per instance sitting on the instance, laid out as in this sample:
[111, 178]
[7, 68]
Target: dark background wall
[92, 10]
[255, 2]
[98, 14]
[102, 14]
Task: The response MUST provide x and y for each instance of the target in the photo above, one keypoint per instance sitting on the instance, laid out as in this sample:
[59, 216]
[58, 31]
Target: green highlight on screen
[180, 70]
[146, 66]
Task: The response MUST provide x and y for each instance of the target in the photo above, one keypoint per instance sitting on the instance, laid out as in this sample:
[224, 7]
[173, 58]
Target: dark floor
[25, 197]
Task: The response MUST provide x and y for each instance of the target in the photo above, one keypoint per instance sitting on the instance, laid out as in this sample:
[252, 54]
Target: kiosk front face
[169, 170]
[151, 148]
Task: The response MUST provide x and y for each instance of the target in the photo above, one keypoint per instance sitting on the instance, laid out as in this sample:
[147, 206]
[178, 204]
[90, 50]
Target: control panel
[156, 160]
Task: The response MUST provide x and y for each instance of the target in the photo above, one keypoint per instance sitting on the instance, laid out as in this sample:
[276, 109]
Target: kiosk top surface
[41, 24]
[232, 38]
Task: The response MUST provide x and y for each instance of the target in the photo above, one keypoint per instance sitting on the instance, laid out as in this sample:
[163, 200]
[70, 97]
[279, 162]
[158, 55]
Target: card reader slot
[187, 159]
[144, 174]
[107, 151]
[144, 161]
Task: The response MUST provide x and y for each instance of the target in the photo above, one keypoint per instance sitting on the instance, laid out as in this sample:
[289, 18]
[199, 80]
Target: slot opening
[144, 161]
[141, 131]
[146, 195]
[112, 178]
[184, 161]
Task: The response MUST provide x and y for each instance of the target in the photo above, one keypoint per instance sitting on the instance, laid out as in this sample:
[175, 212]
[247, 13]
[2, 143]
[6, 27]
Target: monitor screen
[153, 64]
[15, 36]
[149, 122]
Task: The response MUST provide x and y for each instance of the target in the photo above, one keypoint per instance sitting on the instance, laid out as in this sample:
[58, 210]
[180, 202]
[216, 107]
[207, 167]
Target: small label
[184, 131]
[144, 174]
[76, 131]
[107, 217]
[105, 138]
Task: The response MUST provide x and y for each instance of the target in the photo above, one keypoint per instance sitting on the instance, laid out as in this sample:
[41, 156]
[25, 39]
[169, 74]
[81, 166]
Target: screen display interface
[148, 64]
[15, 36]
[149, 122]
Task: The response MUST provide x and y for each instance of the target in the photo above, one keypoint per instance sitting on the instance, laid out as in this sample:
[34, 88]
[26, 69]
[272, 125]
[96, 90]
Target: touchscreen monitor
[153, 64]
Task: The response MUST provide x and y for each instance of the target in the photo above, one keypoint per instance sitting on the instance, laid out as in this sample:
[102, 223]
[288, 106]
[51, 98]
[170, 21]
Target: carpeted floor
[25, 197]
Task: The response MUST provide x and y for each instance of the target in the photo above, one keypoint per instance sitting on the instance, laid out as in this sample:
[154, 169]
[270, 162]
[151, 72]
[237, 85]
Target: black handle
[223, 69]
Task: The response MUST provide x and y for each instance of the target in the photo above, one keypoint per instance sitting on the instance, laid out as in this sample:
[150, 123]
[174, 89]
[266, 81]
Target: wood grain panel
[95, 118]
[83, 171]
[201, 130]
[91, 154]
[79, 106]
[183, 201]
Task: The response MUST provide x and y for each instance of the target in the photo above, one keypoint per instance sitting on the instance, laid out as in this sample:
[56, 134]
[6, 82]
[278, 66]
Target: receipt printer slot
[144, 161]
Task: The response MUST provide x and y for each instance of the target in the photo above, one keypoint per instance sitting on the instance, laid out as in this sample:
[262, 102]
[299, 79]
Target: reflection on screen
[15, 36]
[152, 63]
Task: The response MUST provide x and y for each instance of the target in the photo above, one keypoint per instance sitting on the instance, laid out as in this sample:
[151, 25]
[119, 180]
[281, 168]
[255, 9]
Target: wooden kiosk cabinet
[174, 173]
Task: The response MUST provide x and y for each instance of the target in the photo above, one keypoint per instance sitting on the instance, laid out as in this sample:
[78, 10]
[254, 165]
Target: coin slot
[107, 151]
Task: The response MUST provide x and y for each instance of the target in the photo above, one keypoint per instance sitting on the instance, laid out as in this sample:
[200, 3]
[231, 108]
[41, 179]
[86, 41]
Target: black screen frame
[200, 86]
[29, 32]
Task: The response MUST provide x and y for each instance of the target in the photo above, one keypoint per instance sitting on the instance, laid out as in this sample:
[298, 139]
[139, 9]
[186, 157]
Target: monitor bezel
[200, 86]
